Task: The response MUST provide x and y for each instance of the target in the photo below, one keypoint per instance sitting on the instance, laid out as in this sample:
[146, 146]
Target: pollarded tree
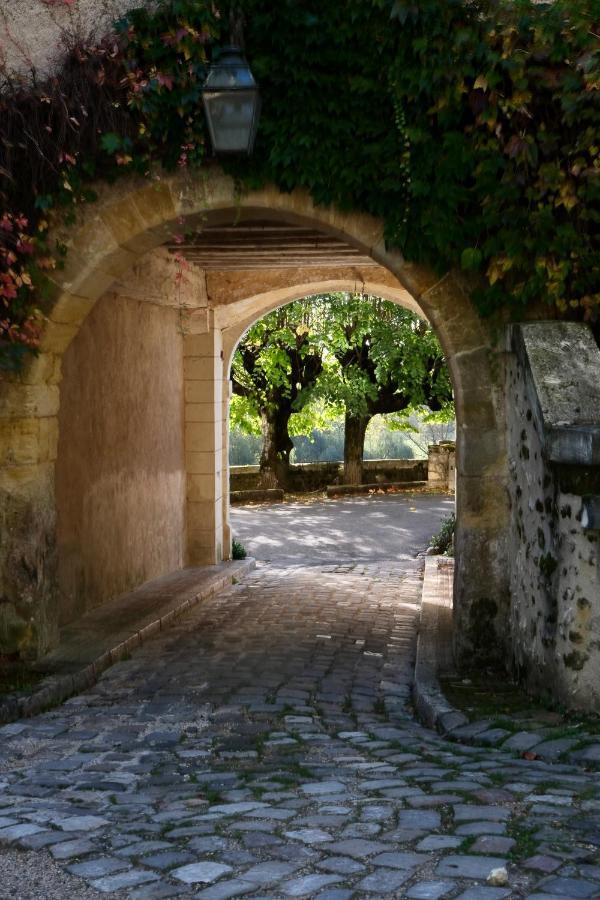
[390, 361]
[274, 370]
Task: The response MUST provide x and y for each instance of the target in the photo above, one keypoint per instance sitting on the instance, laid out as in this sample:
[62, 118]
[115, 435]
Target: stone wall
[554, 458]
[120, 472]
[33, 33]
[317, 476]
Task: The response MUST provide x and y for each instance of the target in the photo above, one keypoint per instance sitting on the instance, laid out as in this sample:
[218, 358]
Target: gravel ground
[29, 875]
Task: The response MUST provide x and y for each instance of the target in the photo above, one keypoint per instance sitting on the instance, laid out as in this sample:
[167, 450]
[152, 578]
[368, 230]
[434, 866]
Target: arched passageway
[134, 340]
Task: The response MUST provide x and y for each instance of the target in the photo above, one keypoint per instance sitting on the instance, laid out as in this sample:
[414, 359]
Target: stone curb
[434, 655]
[434, 647]
[55, 689]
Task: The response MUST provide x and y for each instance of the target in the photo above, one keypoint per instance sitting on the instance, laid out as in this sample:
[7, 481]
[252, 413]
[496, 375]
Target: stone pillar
[437, 466]
[204, 404]
[225, 469]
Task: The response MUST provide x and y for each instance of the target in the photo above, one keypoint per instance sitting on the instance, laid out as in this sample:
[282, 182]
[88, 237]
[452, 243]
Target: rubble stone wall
[555, 561]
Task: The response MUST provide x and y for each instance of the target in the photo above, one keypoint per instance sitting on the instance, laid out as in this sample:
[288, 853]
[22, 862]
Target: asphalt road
[359, 529]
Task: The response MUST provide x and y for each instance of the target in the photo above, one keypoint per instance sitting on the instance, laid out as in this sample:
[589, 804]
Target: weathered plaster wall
[120, 475]
[33, 33]
[555, 563]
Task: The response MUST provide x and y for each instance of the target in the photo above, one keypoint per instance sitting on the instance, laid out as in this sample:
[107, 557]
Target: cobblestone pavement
[264, 747]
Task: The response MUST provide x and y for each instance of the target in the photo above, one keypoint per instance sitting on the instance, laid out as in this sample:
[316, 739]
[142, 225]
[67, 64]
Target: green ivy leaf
[111, 142]
[471, 259]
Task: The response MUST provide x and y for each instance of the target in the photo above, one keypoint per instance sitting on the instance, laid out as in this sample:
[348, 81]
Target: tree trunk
[276, 448]
[354, 444]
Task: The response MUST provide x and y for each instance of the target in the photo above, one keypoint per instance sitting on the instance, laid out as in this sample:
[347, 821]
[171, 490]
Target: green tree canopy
[275, 369]
[334, 353]
[389, 361]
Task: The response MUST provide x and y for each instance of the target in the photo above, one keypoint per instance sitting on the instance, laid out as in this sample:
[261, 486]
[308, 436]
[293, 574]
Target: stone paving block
[484, 893]
[521, 741]
[271, 813]
[467, 732]
[439, 842]
[477, 828]
[341, 865]
[587, 754]
[42, 839]
[552, 750]
[209, 844]
[200, 872]
[492, 843]
[156, 890]
[238, 857]
[235, 887]
[430, 890]
[376, 813]
[123, 880]
[268, 872]
[541, 896]
[335, 894]
[492, 737]
[69, 849]
[16, 832]
[421, 819]
[309, 835]
[323, 787]
[139, 848]
[94, 868]
[465, 866]
[384, 881]
[361, 829]
[81, 823]
[550, 799]
[467, 813]
[234, 809]
[428, 802]
[590, 871]
[570, 887]
[399, 859]
[356, 847]
[258, 839]
[167, 859]
[307, 885]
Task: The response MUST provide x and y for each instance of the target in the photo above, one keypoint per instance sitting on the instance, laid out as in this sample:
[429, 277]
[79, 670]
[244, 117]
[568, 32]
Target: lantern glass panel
[232, 118]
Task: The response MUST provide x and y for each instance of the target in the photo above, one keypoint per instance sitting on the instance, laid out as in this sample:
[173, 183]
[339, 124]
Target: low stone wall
[316, 476]
[554, 458]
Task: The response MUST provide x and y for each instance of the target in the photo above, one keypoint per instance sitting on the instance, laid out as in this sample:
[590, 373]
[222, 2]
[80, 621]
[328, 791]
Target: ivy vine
[470, 127]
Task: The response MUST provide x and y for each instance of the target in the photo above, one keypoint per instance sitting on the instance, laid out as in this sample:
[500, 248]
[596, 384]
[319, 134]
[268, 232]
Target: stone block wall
[553, 394]
[317, 476]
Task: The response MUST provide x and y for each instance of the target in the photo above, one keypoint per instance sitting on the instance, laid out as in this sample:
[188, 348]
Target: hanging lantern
[231, 103]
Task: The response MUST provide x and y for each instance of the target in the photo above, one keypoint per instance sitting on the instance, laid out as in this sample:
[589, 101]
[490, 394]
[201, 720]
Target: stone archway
[116, 235]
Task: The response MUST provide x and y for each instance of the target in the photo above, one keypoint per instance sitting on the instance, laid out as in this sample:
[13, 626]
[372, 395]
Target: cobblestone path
[264, 748]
